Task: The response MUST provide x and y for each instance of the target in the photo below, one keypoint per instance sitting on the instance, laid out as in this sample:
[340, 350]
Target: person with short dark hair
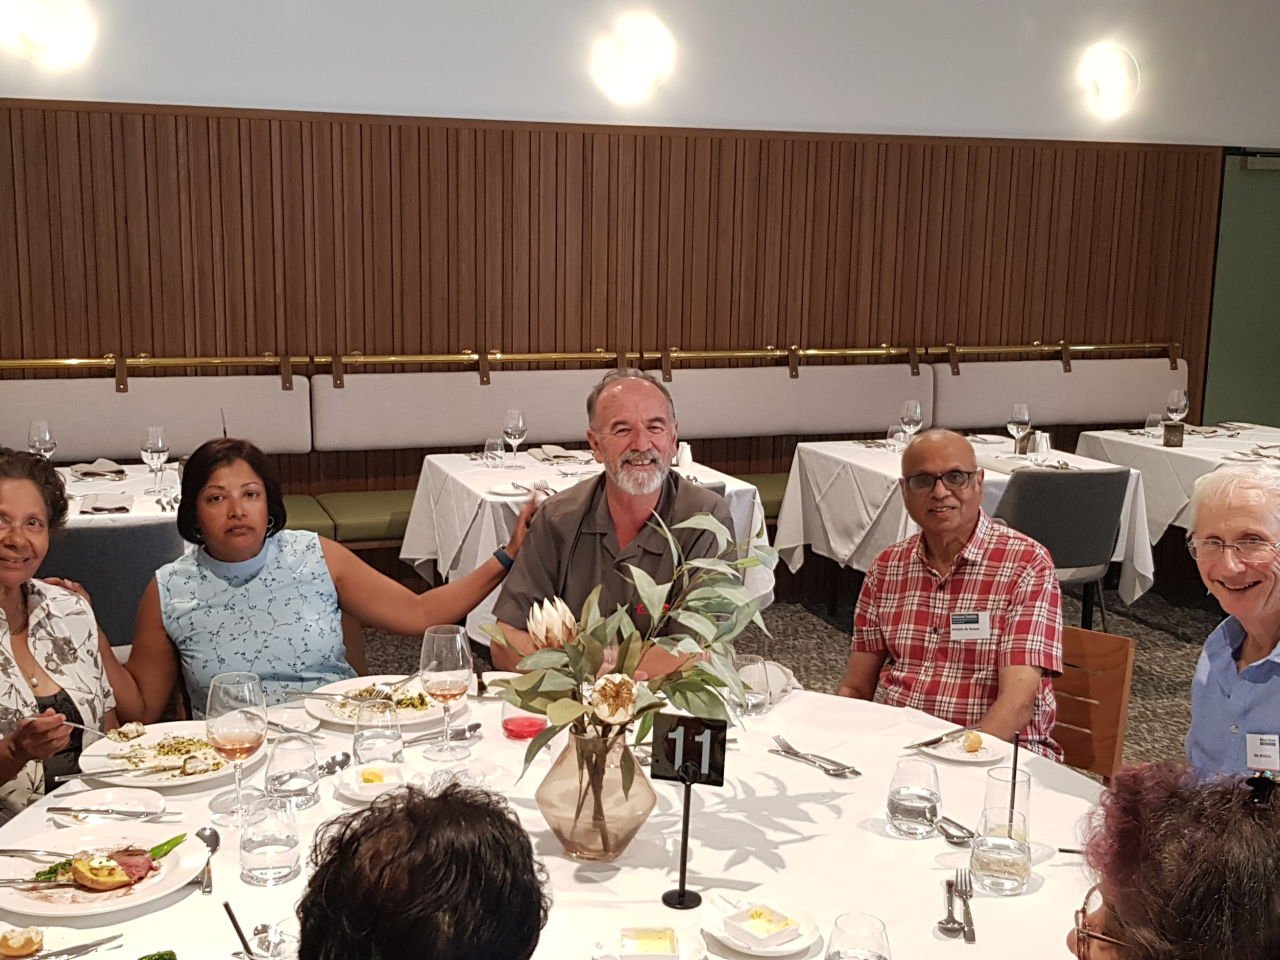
[1188, 868]
[450, 876]
[259, 598]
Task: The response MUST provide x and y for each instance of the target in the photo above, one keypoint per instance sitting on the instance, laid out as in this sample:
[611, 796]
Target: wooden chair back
[1093, 699]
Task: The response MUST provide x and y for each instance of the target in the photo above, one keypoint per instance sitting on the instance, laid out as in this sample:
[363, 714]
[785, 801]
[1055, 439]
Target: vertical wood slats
[188, 230]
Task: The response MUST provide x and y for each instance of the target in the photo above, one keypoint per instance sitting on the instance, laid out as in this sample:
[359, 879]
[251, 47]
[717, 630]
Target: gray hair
[1221, 483]
[617, 376]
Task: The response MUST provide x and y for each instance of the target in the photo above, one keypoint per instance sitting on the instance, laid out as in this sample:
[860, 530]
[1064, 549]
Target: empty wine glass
[858, 936]
[911, 418]
[1175, 407]
[1019, 422]
[445, 668]
[514, 432]
[40, 440]
[155, 453]
[236, 727]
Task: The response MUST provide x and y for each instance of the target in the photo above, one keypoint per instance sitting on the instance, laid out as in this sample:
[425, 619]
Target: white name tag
[971, 625]
[1263, 751]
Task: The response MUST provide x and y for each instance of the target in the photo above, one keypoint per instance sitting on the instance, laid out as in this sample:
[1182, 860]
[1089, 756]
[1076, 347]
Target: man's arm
[1014, 705]
[862, 675]
[868, 651]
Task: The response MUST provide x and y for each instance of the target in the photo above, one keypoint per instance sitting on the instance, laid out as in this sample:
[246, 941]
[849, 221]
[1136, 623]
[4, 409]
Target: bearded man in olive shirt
[587, 535]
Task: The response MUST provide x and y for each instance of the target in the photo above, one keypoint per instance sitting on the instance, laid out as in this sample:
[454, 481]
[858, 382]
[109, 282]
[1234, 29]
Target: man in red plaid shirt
[964, 619]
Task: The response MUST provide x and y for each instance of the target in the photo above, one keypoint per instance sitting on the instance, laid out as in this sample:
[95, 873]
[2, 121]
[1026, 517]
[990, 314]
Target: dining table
[843, 502]
[778, 833]
[464, 509]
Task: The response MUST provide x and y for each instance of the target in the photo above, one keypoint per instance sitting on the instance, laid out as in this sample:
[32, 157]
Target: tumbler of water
[858, 936]
[377, 735]
[912, 807]
[292, 772]
[270, 853]
[1002, 792]
[755, 683]
[1000, 855]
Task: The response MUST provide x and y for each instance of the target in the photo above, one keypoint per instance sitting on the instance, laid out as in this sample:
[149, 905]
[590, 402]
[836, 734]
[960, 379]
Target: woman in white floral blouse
[51, 666]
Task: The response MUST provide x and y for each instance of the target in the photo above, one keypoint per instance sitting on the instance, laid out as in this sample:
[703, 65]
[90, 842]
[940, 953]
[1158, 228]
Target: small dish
[762, 926]
[508, 490]
[357, 784]
[809, 932]
[114, 798]
[992, 750]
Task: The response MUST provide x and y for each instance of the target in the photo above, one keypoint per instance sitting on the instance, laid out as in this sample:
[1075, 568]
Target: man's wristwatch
[504, 558]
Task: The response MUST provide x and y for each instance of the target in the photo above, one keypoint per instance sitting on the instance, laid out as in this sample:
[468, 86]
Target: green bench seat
[368, 516]
[305, 513]
[771, 486]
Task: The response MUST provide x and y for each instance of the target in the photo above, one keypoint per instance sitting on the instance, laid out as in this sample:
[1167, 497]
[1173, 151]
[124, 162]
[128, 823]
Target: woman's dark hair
[447, 875]
[207, 458]
[1189, 867]
[20, 465]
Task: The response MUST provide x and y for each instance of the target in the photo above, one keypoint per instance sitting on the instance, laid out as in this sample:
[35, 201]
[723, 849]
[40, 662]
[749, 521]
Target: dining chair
[1093, 699]
[1075, 515]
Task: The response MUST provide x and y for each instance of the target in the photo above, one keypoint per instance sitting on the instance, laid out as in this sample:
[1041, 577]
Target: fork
[836, 765]
[964, 890]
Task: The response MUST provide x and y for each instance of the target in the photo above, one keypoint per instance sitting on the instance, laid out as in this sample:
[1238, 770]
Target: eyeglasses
[1249, 551]
[1085, 936]
[952, 480]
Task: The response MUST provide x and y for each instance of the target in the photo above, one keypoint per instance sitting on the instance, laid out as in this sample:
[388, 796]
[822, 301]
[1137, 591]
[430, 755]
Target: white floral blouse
[63, 638]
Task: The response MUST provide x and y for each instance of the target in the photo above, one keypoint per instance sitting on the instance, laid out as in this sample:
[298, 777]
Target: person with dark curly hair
[51, 656]
[1188, 868]
[448, 875]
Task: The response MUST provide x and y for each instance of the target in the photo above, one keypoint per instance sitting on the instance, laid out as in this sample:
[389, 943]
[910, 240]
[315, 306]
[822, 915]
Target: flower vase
[584, 802]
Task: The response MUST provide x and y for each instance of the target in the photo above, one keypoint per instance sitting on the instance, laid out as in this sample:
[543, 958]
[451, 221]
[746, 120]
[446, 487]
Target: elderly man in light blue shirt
[1235, 695]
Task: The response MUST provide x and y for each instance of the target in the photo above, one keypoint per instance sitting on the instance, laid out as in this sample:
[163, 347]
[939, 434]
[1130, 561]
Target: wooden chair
[1093, 699]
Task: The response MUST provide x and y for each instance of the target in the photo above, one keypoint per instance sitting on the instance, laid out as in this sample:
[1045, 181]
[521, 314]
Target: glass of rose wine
[445, 669]
[236, 727]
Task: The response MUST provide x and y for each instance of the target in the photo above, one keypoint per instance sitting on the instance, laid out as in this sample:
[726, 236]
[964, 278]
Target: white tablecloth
[145, 509]
[1170, 472]
[777, 831]
[455, 524]
[843, 500]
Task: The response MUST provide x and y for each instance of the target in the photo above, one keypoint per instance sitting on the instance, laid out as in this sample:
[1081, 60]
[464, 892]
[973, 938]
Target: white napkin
[106, 503]
[1201, 431]
[550, 453]
[102, 467]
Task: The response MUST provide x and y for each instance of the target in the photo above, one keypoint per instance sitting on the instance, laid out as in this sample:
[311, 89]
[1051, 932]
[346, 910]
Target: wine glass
[860, 936]
[445, 669]
[40, 440]
[1175, 407]
[1019, 423]
[155, 452]
[514, 431]
[236, 727]
[911, 418]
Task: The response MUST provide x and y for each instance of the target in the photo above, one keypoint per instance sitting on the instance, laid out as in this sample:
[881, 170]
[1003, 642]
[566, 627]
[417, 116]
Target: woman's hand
[39, 738]
[76, 588]
[522, 528]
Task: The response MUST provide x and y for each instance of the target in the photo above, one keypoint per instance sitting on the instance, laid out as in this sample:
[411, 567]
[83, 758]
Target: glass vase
[584, 801]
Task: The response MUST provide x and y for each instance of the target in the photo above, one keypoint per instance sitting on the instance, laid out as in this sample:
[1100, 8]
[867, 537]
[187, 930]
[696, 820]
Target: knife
[110, 772]
[934, 741]
[80, 949]
[109, 812]
[840, 771]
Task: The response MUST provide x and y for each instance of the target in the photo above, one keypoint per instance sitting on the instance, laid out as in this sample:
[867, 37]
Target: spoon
[212, 839]
[332, 765]
[949, 924]
[954, 833]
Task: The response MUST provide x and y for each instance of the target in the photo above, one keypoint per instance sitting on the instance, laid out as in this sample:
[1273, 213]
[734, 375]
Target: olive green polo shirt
[572, 547]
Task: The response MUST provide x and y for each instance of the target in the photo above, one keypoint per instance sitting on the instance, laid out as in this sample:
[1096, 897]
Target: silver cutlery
[79, 950]
[81, 812]
[949, 924]
[331, 765]
[835, 764]
[964, 890]
[956, 834]
[380, 692]
[458, 733]
[78, 726]
[940, 738]
[33, 854]
[110, 772]
[160, 502]
[801, 758]
[212, 839]
[19, 882]
[285, 728]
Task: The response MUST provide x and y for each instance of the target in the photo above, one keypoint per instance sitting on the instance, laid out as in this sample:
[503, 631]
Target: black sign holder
[681, 898]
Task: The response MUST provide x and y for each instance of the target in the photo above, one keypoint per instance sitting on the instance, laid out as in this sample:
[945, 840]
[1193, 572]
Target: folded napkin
[102, 467]
[1239, 425]
[1201, 431]
[550, 453]
[106, 503]
[778, 679]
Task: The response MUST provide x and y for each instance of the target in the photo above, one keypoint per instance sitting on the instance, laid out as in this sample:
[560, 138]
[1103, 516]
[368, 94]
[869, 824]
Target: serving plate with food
[164, 755]
[413, 707]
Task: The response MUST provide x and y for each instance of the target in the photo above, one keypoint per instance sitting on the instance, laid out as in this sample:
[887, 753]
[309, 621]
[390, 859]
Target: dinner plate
[993, 750]
[115, 798]
[97, 756]
[294, 715]
[508, 490]
[350, 785]
[182, 863]
[332, 711]
[808, 934]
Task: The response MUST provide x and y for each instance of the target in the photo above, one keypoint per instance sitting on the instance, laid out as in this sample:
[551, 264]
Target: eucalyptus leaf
[705, 521]
[495, 634]
[548, 658]
[537, 743]
[563, 712]
[702, 625]
[628, 772]
[643, 727]
[716, 564]
[734, 592]
[591, 609]
[652, 594]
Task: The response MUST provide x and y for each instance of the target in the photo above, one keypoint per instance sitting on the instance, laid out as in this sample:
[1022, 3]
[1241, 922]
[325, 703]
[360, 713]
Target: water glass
[40, 440]
[755, 684]
[1175, 407]
[1001, 791]
[858, 936]
[279, 941]
[1040, 448]
[1000, 855]
[914, 795]
[896, 437]
[1154, 427]
[377, 735]
[292, 772]
[494, 451]
[270, 853]
[520, 724]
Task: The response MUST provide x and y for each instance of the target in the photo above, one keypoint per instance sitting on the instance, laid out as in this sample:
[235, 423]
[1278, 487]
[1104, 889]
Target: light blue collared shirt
[1227, 703]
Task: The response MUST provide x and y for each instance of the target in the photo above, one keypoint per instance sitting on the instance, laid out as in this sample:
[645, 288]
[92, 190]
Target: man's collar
[600, 521]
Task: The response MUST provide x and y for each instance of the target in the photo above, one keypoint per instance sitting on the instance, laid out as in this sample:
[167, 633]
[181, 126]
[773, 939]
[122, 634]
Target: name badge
[971, 625]
[1263, 751]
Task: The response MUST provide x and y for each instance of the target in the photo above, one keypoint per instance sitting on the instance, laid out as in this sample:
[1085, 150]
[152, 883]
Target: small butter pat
[372, 776]
[972, 741]
[762, 926]
[648, 943]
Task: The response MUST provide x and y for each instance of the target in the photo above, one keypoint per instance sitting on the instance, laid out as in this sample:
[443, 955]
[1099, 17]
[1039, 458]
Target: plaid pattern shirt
[905, 610]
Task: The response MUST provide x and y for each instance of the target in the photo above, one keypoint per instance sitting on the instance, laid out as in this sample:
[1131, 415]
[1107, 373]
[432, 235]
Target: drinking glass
[1000, 855]
[270, 853]
[279, 941]
[1019, 422]
[40, 440]
[514, 432]
[520, 724]
[1002, 793]
[1040, 448]
[1154, 427]
[1175, 407]
[913, 799]
[493, 453]
[155, 453]
[755, 684]
[236, 726]
[858, 936]
[897, 438]
[377, 734]
[445, 668]
[911, 417]
[292, 772]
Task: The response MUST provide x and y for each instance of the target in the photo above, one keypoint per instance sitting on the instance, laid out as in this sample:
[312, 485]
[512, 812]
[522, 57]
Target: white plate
[395, 775]
[293, 715]
[808, 934]
[993, 750]
[177, 868]
[507, 490]
[433, 716]
[117, 798]
[96, 756]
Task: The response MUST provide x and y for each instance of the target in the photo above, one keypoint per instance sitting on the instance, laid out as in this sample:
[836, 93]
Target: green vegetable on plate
[51, 873]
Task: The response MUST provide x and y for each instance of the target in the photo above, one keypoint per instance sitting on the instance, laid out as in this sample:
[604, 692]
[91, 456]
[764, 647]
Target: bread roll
[21, 943]
[972, 741]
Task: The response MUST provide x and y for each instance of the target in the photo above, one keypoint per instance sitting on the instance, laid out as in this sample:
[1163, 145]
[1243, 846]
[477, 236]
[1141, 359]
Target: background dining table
[778, 832]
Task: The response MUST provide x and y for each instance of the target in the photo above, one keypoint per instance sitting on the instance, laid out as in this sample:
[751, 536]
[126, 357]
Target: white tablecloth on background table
[138, 477]
[455, 524]
[843, 501]
[776, 832]
[1170, 472]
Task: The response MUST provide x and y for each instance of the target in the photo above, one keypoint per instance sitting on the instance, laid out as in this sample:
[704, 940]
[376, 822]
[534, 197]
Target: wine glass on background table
[40, 440]
[1175, 407]
[514, 431]
[1019, 423]
[445, 668]
[236, 727]
[155, 453]
[911, 417]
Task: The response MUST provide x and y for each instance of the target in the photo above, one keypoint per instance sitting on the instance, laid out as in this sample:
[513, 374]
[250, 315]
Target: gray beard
[639, 484]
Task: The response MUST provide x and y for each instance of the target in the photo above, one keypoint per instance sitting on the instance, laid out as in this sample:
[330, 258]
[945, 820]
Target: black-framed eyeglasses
[1085, 936]
[1252, 550]
[952, 480]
